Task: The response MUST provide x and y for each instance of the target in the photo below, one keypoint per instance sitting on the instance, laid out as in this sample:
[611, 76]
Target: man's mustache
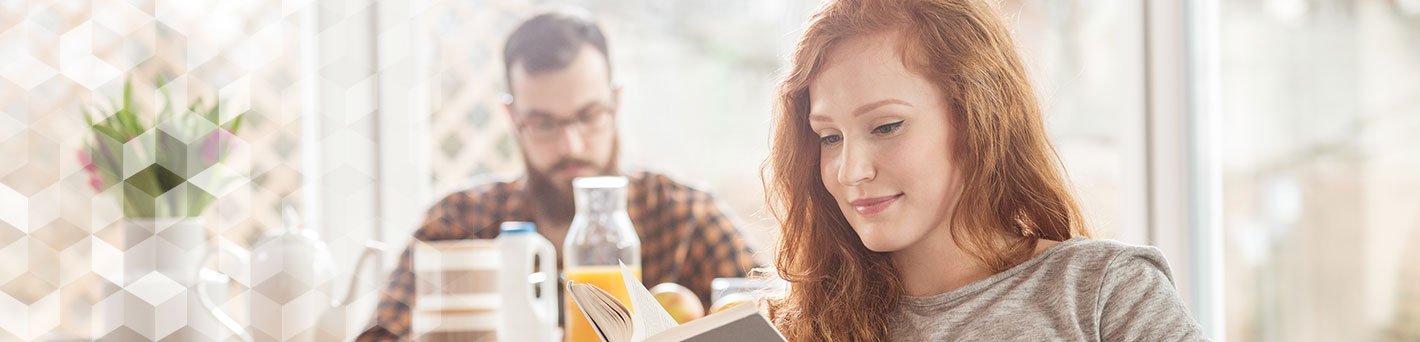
[570, 162]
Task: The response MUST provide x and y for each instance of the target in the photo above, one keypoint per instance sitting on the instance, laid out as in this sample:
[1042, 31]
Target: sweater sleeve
[1138, 301]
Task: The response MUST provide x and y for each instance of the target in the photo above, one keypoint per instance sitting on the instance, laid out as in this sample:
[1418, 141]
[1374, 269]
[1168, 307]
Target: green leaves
[178, 145]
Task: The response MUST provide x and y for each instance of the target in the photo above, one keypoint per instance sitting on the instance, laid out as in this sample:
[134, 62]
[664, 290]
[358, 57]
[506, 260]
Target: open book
[650, 322]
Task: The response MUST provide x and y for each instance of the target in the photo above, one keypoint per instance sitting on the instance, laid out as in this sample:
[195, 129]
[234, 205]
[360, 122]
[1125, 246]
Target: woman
[920, 199]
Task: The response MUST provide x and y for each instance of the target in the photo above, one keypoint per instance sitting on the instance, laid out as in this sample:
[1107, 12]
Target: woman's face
[885, 143]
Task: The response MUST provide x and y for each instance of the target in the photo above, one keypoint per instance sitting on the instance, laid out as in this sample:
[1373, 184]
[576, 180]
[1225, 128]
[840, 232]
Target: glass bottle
[600, 236]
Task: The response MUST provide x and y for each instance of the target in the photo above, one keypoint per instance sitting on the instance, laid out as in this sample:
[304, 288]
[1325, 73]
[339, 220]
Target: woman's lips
[870, 206]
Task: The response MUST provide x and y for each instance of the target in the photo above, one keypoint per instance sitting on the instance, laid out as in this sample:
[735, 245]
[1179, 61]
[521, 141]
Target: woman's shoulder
[1104, 256]
[1104, 249]
[1135, 298]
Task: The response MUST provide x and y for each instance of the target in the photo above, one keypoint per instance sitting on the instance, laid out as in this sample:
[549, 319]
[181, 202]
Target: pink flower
[92, 169]
[96, 183]
[209, 147]
[87, 161]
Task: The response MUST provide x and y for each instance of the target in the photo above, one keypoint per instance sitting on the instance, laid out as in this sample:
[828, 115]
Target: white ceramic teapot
[290, 276]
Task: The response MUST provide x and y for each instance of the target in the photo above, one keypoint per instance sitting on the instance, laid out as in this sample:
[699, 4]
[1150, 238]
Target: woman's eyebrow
[813, 117]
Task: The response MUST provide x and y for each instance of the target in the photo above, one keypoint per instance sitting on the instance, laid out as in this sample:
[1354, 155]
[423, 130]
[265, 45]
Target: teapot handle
[241, 256]
[373, 249]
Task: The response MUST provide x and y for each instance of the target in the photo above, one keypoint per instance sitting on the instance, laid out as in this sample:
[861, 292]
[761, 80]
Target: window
[1318, 112]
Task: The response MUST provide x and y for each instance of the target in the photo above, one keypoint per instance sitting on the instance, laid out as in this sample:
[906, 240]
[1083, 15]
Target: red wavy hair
[1014, 191]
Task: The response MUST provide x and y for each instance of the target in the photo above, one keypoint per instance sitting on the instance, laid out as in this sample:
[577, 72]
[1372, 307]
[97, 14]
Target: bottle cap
[600, 182]
[518, 227]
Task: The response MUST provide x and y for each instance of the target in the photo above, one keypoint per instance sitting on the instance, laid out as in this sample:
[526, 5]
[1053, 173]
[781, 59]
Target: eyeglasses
[542, 127]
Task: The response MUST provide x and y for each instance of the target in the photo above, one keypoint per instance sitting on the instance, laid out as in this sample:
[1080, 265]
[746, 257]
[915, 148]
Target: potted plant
[167, 167]
[150, 160]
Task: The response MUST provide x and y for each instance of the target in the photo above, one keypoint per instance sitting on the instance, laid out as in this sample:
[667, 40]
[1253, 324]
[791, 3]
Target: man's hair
[551, 40]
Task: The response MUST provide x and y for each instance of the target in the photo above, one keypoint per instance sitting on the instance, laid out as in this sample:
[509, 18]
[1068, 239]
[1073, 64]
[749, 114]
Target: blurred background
[1267, 146]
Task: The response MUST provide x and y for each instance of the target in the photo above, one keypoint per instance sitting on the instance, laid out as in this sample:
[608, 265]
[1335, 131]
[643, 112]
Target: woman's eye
[830, 140]
[888, 128]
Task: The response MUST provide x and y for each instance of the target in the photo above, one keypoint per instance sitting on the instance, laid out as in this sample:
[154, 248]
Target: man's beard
[553, 199]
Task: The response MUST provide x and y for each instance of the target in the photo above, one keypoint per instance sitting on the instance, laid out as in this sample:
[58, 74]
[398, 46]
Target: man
[564, 106]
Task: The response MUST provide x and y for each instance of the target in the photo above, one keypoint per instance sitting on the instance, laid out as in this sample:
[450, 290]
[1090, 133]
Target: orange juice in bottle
[607, 278]
[600, 239]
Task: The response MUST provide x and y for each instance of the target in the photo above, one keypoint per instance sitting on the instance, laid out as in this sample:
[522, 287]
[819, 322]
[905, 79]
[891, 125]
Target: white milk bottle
[528, 310]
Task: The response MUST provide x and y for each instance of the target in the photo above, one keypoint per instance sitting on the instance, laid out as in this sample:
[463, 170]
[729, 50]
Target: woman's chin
[881, 249]
[881, 241]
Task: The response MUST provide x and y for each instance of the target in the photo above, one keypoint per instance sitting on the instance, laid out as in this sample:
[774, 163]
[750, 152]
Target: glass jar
[600, 238]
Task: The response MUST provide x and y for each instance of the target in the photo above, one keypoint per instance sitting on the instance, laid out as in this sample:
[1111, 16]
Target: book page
[607, 316]
[649, 317]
